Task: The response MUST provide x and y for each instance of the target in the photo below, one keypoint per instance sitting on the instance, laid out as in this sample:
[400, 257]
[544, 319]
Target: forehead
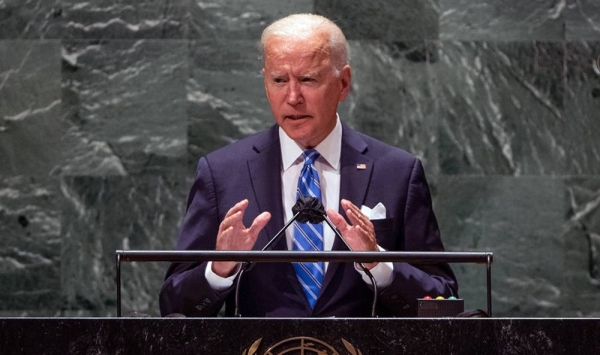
[312, 51]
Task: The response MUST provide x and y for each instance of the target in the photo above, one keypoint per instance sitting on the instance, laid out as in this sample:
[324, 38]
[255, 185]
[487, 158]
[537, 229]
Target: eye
[279, 78]
[308, 80]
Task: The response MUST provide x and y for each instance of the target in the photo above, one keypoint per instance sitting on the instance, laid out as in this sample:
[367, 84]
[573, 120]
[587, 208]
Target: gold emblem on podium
[302, 346]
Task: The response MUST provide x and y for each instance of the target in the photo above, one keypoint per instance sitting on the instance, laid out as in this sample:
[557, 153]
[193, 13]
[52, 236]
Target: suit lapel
[356, 168]
[265, 174]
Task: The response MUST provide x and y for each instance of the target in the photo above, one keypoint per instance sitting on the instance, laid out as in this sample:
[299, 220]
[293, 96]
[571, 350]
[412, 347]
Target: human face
[303, 88]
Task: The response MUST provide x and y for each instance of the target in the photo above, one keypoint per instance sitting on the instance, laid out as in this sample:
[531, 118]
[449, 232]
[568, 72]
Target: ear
[345, 82]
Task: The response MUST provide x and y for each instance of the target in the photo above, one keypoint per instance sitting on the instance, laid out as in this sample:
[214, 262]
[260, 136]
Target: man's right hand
[233, 235]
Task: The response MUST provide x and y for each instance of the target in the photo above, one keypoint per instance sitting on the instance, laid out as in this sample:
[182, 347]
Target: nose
[294, 96]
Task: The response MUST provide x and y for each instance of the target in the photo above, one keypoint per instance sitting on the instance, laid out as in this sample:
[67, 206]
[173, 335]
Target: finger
[367, 226]
[223, 239]
[259, 223]
[235, 215]
[359, 216]
[356, 217]
[366, 232]
[240, 206]
[338, 221]
[347, 204]
[231, 221]
[364, 222]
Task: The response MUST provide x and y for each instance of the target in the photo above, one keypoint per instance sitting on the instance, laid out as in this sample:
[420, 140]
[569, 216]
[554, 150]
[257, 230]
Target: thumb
[259, 223]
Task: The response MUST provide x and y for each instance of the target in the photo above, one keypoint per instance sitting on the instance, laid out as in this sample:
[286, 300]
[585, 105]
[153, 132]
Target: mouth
[296, 117]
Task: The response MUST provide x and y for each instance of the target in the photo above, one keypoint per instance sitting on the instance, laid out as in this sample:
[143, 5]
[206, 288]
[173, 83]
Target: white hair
[299, 26]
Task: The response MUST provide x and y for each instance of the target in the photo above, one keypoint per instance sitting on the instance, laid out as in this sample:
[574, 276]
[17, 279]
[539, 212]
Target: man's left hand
[360, 234]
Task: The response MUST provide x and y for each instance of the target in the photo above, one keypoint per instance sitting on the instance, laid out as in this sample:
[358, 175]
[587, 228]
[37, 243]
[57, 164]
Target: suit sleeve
[186, 289]
[421, 233]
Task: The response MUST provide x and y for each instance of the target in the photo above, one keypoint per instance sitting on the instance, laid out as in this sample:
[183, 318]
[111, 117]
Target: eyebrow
[311, 73]
[308, 73]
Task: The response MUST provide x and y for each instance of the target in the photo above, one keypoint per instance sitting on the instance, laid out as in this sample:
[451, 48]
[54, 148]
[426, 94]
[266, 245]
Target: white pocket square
[377, 212]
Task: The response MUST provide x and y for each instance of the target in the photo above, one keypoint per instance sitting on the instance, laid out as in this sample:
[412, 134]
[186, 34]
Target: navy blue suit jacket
[250, 169]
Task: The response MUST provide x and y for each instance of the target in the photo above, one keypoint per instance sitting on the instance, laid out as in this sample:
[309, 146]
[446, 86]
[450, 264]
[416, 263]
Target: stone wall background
[105, 107]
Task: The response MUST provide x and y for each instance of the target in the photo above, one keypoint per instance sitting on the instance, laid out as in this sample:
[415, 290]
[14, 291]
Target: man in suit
[243, 194]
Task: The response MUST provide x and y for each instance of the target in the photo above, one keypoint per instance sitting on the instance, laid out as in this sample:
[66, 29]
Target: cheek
[332, 95]
[325, 102]
[275, 96]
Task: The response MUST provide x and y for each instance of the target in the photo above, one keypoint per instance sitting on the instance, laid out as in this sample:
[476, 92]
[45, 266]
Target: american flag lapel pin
[361, 166]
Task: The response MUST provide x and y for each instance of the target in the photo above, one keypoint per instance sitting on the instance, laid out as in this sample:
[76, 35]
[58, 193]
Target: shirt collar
[330, 148]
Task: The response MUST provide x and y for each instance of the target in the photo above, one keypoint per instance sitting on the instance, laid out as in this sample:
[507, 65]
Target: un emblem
[301, 345]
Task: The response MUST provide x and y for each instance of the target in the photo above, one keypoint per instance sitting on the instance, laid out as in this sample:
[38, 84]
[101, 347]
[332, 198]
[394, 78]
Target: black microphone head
[311, 210]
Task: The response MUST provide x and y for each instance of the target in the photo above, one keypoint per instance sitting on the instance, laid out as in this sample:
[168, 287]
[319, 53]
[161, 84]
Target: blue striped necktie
[309, 236]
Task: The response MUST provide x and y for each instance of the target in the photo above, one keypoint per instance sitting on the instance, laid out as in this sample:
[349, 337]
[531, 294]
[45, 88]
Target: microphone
[306, 210]
[310, 210]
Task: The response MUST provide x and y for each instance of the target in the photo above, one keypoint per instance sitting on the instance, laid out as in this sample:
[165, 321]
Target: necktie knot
[310, 155]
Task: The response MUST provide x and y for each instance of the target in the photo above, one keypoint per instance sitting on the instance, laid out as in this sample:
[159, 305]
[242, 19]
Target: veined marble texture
[126, 100]
[583, 20]
[30, 127]
[513, 109]
[105, 214]
[391, 20]
[125, 19]
[226, 97]
[30, 248]
[544, 233]
[521, 220]
[582, 246]
[582, 105]
[502, 20]
[30, 19]
[226, 19]
[517, 20]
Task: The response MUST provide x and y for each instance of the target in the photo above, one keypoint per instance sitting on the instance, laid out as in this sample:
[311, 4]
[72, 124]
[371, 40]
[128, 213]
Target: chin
[307, 137]
[299, 138]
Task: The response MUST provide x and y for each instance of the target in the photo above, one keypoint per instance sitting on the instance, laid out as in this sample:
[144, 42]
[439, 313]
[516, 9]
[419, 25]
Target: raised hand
[360, 234]
[233, 235]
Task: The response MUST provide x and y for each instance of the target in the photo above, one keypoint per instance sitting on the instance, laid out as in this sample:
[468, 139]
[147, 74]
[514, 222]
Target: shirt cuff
[216, 282]
[383, 273]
